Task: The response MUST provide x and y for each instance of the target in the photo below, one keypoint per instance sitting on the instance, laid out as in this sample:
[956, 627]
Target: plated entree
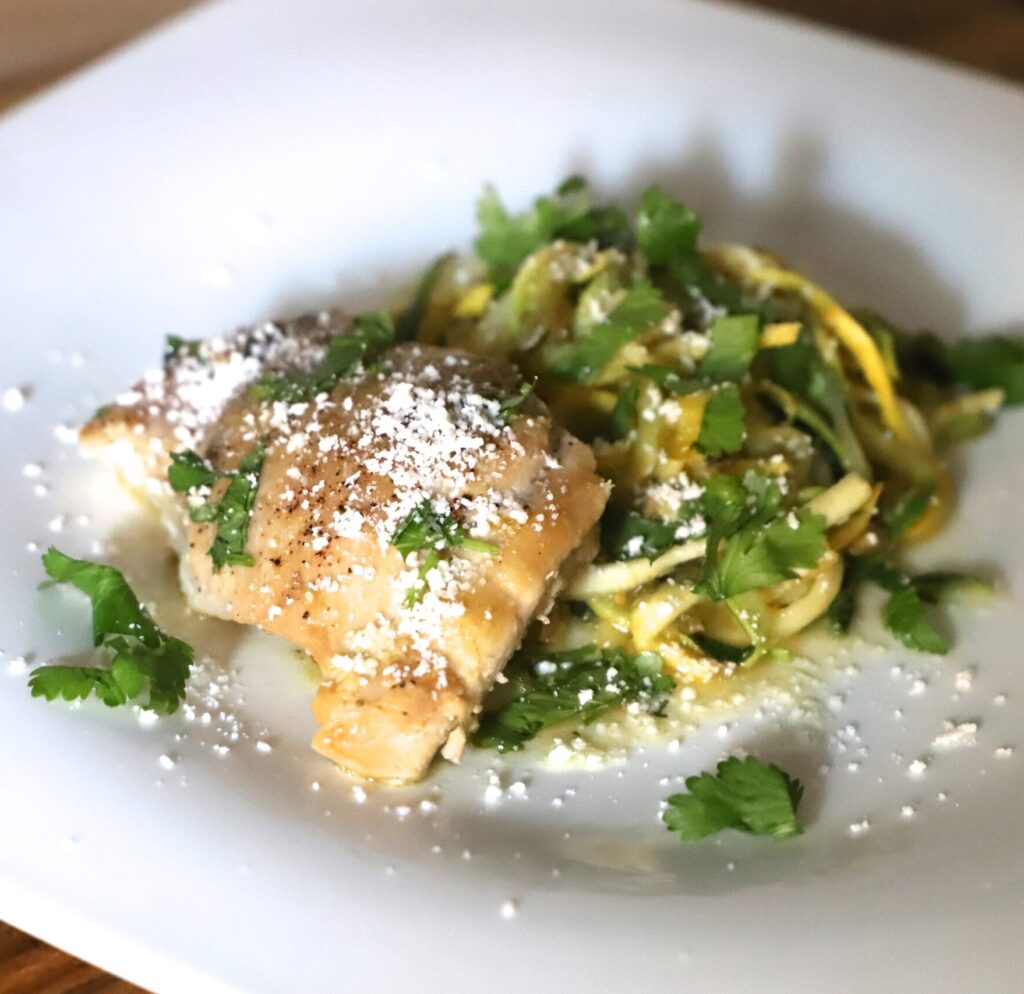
[590, 465]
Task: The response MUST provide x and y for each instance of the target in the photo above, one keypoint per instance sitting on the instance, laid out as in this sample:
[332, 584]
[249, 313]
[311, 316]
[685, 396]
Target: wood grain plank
[28, 966]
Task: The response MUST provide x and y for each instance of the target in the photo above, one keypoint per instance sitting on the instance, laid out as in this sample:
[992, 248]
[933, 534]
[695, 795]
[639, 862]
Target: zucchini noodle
[760, 439]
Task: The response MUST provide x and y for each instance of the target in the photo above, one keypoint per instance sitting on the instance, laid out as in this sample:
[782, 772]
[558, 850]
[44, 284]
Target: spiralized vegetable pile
[770, 450]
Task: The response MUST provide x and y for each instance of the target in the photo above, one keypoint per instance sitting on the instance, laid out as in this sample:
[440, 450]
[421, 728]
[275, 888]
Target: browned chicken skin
[404, 668]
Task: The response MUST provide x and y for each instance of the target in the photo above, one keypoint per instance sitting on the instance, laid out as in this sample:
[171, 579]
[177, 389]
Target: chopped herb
[624, 412]
[641, 308]
[232, 512]
[722, 429]
[759, 555]
[188, 471]
[370, 334]
[668, 233]
[974, 363]
[734, 342]
[655, 537]
[668, 379]
[745, 794]
[505, 240]
[509, 407]
[408, 325]
[729, 502]
[177, 347]
[580, 684]
[666, 230]
[877, 570]
[425, 529]
[904, 616]
[147, 665]
[841, 611]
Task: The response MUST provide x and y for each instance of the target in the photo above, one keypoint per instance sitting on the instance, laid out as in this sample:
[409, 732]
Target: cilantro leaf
[761, 555]
[582, 222]
[639, 537]
[668, 379]
[722, 429]
[666, 230]
[370, 334]
[729, 502]
[144, 657]
[177, 347]
[668, 233]
[580, 684]
[234, 509]
[189, 471]
[841, 611]
[734, 343]
[505, 240]
[745, 794]
[904, 616]
[640, 308]
[624, 412]
[426, 529]
[976, 363]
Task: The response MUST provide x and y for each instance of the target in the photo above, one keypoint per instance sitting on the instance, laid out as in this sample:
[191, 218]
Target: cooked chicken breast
[503, 500]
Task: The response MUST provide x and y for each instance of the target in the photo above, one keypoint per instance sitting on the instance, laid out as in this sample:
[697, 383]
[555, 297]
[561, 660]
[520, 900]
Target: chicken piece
[408, 646]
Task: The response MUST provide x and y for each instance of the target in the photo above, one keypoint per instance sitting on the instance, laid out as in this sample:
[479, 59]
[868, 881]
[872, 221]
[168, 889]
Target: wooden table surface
[43, 40]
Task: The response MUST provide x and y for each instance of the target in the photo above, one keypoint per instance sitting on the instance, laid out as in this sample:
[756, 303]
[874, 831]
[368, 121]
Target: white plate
[255, 159]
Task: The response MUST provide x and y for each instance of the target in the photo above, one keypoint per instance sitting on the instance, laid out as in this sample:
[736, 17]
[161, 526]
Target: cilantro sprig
[734, 343]
[745, 794]
[723, 426]
[668, 379]
[369, 335]
[505, 239]
[188, 472]
[579, 684]
[904, 614]
[146, 664]
[427, 529]
[752, 541]
[668, 233]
